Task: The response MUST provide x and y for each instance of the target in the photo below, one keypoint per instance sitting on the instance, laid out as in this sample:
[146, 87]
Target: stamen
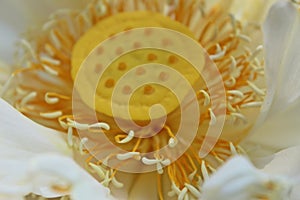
[28, 98]
[49, 60]
[70, 136]
[232, 149]
[193, 190]
[116, 183]
[51, 100]
[233, 63]
[192, 175]
[128, 155]
[50, 70]
[256, 89]
[98, 169]
[204, 171]
[207, 97]
[81, 145]
[236, 93]
[106, 180]
[218, 55]
[244, 38]
[182, 193]
[48, 25]
[231, 82]
[159, 168]
[239, 116]
[252, 104]
[27, 45]
[172, 142]
[100, 125]
[148, 161]
[55, 40]
[21, 92]
[128, 138]
[51, 115]
[213, 119]
[255, 53]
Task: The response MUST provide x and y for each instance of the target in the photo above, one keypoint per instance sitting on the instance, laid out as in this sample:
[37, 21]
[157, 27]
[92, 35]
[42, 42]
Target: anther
[236, 93]
[55, 40]
[232, 149]
[182, 193]
[51, 115]
[116, 183]
[49, 70]
[81, 145]
[51, 100]
[172, 142]
[70, 136]
[28, 98]
[194, 191]
[49, 60]
[128, 138]
[27, 45]
[128, 155]
[206, 96]
[98, 169]
[204, 171]
[213, 119]
[255, 88]
[252, 104]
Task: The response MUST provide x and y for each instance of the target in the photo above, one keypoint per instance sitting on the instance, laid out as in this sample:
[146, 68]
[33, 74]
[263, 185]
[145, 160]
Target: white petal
[238, 179]
[82, 185]
[18, 16]
[282, 46]
[27, 135]
[279, 112]
[4, 74]
[20, 140]
[277, 132]
[287, 163]
[251, 10]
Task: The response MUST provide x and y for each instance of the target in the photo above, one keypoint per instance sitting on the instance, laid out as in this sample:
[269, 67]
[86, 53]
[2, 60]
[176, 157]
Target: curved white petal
[81, 184]
[278, 123]
[282, 45]
[18, 16]
[287, 163]
[20, 140]
[238, 179]
[277, 132]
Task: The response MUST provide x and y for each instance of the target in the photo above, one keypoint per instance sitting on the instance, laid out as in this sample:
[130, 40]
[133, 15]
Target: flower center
[141, 98]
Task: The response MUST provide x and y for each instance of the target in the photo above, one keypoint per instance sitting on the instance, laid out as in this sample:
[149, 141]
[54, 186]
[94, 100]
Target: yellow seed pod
[136, 64]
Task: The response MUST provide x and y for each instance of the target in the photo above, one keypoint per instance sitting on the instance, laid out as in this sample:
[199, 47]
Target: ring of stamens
[222, 37]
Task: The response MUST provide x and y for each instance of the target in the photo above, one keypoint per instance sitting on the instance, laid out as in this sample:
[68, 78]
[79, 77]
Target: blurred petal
[21, 140]
[18, 16]
[287, 162]
[4, 74]
[282, 45]
[251, 10]
[238, 179]
[80, 183]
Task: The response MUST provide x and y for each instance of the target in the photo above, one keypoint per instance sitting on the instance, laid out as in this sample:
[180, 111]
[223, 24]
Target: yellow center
[147, 95]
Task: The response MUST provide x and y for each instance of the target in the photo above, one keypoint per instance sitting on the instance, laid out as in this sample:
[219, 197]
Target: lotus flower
[79, 152]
